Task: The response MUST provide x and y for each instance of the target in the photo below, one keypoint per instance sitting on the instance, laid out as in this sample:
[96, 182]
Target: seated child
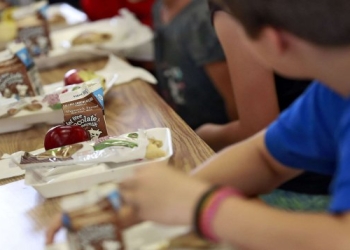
[301, 39]
[190, 64]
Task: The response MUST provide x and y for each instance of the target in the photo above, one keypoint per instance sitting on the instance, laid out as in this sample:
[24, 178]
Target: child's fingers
[54, 226]
[128, 216]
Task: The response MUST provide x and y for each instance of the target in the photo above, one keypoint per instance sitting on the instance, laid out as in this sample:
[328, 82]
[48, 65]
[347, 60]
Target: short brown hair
[322, 22]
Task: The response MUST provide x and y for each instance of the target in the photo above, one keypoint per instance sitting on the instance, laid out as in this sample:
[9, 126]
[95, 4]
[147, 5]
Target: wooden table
[24, 213]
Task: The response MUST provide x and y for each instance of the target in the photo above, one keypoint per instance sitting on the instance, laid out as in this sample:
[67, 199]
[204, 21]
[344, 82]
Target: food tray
[26, 119]
[63, 183]
[129, 36]
[8, 170]
[71, 16]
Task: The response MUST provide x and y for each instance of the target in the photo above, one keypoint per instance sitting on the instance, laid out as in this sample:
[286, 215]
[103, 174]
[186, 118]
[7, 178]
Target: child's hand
[53, 228]
[163, 194]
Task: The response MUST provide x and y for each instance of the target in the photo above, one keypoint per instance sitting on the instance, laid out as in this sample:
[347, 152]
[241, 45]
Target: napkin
[126, 72]
[8, 169]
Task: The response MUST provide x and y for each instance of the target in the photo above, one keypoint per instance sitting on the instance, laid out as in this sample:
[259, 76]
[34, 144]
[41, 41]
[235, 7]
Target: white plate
[63, 182]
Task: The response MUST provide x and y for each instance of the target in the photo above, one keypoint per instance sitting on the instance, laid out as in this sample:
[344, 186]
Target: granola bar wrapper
[92, 219]
[125, 148]
[84, 107]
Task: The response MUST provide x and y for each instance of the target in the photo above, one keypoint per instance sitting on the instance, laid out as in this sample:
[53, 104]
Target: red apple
[72, 77]
[76, 76]
[63, 135]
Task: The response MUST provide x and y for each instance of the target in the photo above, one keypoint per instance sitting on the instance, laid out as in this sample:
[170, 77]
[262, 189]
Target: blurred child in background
[190, 64]
[99, 9]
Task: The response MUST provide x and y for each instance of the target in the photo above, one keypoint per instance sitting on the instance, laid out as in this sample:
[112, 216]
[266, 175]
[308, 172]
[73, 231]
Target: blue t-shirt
[314, 135]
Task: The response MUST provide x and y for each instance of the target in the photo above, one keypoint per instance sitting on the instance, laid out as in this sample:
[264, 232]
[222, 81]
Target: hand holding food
[63, 135]
[97, 217]
[145, 191]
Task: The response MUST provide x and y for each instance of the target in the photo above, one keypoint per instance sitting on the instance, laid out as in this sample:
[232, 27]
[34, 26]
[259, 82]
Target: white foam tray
[129, 38]
[63, 183]
[26, 119]
[8, 169]
[72, 15]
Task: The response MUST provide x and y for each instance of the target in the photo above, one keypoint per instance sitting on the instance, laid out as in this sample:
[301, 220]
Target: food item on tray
[34, 106]
[62, 153]
[154, 149]
[76, 76]
[56, 19]
[63, 135]
[85, 107]
[23, 104]
[189, 241]
[33, 28]
[91, 37]
[92, 219]
[113, 149]
[8, 31]
[19, 77]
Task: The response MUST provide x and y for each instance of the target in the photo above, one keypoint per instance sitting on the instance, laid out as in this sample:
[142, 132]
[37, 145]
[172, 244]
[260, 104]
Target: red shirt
[99, 9]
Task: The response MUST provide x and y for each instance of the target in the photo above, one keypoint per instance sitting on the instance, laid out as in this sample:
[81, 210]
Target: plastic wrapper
[67, 179]
[129, 147]
[93, 220]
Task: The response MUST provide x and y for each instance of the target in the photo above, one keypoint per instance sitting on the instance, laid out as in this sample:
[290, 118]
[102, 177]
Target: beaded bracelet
[198, 211]
[207, 208]
[66, 222]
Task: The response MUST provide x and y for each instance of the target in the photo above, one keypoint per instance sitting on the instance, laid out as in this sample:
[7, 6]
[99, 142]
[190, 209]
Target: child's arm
[220, 76]
[253, 87]
[246, 165]
[167, 196]
[258, 227]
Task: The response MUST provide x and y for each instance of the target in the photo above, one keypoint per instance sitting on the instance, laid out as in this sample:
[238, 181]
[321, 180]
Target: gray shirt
[183, 47]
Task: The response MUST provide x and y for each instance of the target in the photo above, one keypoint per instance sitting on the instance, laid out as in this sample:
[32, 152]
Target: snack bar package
[33, 28]
[19, 76]
[113, 149]
[85, 107]
[92, 219]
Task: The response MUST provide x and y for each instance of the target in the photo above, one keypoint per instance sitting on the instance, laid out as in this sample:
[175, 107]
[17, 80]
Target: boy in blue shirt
[305, 38]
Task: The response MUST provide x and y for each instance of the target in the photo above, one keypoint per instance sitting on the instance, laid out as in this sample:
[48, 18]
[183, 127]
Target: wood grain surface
[130, 106]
